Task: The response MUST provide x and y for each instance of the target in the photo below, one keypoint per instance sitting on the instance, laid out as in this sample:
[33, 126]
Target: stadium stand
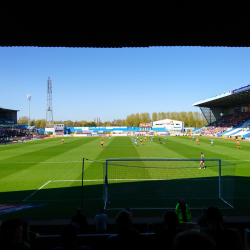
[3, 120]
[232, 125]
[227, 114]
[212, 130]
[4, 133]
[233, 120]
[50, 234]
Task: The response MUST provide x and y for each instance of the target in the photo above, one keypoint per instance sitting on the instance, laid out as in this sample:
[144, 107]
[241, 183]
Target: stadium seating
[233, 120]
[49, 240]
[229, 125]
[10, 132]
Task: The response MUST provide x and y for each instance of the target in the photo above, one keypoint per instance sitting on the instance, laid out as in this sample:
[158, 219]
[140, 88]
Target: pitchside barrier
[160, 183]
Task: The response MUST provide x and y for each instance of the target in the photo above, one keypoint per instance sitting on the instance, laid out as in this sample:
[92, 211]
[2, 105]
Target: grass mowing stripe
[38, 156]
[16, 149]
[66, 165]
[155, 150]
[125, 149]
[223, 149]
[192, 151]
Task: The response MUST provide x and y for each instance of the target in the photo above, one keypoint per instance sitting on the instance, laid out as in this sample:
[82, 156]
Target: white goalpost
[160, 183]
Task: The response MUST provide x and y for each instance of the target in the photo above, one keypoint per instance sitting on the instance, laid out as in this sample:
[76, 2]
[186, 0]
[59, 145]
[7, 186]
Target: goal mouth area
[160, 183]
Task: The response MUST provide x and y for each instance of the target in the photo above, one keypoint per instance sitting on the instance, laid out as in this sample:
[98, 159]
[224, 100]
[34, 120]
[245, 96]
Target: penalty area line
[36, 191]
[55, 181]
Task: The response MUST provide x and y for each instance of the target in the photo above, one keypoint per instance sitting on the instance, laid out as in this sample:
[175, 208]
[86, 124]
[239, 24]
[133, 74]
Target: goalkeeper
[202, 161]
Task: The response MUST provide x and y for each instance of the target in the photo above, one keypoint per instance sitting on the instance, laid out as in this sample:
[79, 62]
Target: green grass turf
[46, 172]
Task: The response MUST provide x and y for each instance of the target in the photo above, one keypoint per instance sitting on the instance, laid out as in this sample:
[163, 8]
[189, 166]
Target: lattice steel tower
[49, 110]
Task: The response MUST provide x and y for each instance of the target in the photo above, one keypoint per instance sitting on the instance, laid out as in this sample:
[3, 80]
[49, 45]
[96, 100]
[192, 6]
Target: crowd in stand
[4, 133]
[225, 123]
[233, 120]
[212, 130]
[15, 233]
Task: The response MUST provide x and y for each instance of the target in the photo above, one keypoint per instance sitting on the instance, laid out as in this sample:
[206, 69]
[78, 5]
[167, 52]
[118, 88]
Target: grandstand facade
[227, 114]
[8, 117]
[165, 126]
[11, 131]
[170, 124]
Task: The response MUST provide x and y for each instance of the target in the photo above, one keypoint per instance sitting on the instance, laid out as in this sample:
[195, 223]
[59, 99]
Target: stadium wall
[109, 129]
[170, 124]
[49, 130]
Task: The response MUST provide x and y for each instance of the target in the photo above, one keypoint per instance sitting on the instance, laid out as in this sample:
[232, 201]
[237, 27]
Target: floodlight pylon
[49, 110]
[29, 97]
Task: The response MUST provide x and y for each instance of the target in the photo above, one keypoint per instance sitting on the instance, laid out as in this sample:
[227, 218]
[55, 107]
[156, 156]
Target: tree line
[190, 119]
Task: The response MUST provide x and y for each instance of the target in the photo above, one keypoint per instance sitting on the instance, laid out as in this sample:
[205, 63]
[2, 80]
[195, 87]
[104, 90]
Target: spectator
[127, 238]
[69, 238]
[101, 222]
[183, 211]
[164, 238]
[194, 241]
[202, 221]
[80, 221]
[11, 235]
[225, 238]
[129, 210]
[28, 236]
[150, 228]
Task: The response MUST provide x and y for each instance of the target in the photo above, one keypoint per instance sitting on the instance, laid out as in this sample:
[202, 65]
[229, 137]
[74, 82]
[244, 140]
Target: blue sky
[113, 83]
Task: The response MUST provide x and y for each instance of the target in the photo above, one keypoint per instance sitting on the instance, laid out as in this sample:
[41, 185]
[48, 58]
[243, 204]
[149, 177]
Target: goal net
[160, 183]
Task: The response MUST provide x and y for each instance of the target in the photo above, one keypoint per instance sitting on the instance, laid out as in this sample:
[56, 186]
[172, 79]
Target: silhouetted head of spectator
[204, 210]
[214, 217]
[12, 231]
[79, 210]
[150, 228]
[182, 202]
[123, 221]
[101, 211]
[69, 235]
[129, 210]
[26, 226]
[193, 240]
[170, 220]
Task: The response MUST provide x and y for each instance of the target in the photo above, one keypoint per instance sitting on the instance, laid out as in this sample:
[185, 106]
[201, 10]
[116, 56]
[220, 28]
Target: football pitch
[48, 173]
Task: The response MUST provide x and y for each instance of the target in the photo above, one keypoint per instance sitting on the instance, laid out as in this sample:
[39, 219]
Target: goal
[160, 183]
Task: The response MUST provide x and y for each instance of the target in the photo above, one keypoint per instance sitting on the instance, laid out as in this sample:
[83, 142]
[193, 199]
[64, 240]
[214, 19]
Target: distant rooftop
[2, 109]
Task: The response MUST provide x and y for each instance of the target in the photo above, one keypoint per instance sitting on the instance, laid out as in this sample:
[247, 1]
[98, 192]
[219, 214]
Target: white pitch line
[108, 180]
[75, 180]
[195, 179]
[88, 161]
[98, 161]
[63, 180]
[37, 190]
[235, 160]
[42, 162]
[133, 180]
